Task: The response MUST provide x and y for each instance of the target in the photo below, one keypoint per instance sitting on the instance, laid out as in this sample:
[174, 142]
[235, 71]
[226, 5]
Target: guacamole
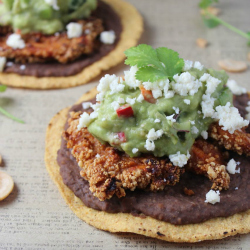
[165, 116]
[46, 16]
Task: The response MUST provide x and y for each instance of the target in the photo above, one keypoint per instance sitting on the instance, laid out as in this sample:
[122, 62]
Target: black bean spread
[173, 204]
[111, 21]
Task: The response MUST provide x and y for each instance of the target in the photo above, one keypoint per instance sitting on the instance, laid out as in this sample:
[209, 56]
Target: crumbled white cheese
[116, 87]
[236, 188]
[179, 159]
[157, 120]
[169, 94]
[107, 37]
[192, 122]
[194, 130]
[100, 96]
[9, 64]
[15, 41]
[235, 88]
[86, 105]
[135, 150]
[57, 34]
[97, 156]
[176, 109]
[22, 67]
[93, 115]
[207, 105]
[74, 30]
[115, 105]
[140, 98]
[130, 101]
[186, 84]
[150, 145]
[104, 83]
[187, 101]
[229, 118]
[231, 167]
[213, 196]
[120, 100]
[198, 65]
[87, 31]
[154, 135]
[188, 65]
[204, 134]
[130, 79]
[52, 3]
[212, 84]
[156, 93]
[171, 118]
[2, 63]
[84, 120]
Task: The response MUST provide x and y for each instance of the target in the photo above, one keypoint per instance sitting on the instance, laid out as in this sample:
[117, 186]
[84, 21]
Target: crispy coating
[41, 48]
[111, 172]
[207, 159]
[239, 141]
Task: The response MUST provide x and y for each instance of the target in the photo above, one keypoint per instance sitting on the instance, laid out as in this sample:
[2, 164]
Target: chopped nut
[188, 192]
[212, 10]
[232, 65]
[202, 43]
[6, 185]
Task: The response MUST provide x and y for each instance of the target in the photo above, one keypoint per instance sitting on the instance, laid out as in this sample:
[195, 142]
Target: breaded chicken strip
[110, 171]
[239, 141]
[41, 48]
[207, 159]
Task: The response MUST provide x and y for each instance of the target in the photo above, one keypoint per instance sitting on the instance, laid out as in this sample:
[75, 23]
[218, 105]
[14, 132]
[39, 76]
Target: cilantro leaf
[142, 55]
[154, 64]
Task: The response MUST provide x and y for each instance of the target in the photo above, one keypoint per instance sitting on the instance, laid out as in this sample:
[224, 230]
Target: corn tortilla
[217, 228]
[132, 27]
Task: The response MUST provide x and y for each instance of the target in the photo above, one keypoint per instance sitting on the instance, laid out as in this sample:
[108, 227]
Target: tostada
[161, 151]
[63, 43]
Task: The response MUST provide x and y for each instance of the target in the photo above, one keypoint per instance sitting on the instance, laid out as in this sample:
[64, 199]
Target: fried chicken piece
[41, 48]
[239, 141]
[206, 159]
[110, 171]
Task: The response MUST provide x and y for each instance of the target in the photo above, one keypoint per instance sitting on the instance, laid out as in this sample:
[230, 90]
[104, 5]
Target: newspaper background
[35, 216]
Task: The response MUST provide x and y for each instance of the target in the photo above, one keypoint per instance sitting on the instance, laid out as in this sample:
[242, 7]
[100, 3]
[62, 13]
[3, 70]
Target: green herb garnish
[212, 21]
[3, 111]
[154, 64]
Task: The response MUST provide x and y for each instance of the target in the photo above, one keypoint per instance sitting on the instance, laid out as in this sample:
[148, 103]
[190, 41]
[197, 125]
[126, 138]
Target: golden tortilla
[217, 228]
[132, 25]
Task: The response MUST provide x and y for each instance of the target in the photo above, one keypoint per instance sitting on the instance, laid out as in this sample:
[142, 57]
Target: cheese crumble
[231, 167]
[15, 41]
[229, 118]
[235, 88]
[74, 30]
[213, 197]
[107, 37]
[179, 159]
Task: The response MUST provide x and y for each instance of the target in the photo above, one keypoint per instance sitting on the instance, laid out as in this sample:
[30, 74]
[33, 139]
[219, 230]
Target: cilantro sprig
[212, 21]
[4, 112]
[154, 64]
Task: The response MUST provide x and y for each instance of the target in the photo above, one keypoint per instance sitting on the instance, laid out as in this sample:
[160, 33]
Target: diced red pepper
[122, 137]
[125, 110]
[147, 94]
